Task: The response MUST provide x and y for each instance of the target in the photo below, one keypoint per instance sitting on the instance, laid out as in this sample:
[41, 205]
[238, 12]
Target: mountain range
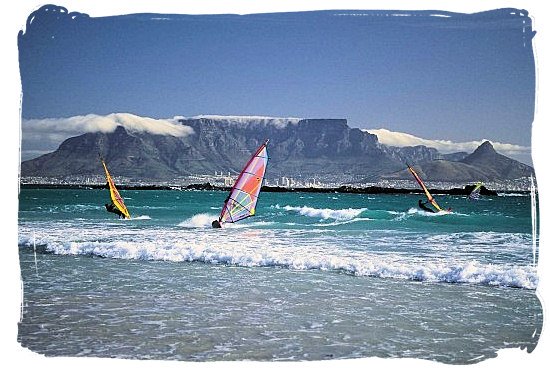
[305, 148]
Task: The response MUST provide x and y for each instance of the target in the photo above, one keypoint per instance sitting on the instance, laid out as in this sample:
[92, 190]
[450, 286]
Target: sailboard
[116, 198]
[474, 194]
[243, 197]
[423, 186]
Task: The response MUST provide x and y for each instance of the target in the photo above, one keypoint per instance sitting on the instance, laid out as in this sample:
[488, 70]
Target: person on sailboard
[110, 207]
[217, 224]
[422, 205]
[241, 200]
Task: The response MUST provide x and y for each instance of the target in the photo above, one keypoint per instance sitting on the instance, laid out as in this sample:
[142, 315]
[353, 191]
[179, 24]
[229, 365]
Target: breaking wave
[141, 217]
[201, 220]
[261, 248]
[324, 213]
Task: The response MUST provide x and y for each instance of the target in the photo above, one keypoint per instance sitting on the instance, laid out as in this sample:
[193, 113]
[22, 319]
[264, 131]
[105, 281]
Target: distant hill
[495, 164]
[129, 155]
[482, 164]
[322, 148]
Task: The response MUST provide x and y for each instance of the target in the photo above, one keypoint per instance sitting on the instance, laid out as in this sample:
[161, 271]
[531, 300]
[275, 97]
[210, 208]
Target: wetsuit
[110, 207]
[423, 206]
[217, 224]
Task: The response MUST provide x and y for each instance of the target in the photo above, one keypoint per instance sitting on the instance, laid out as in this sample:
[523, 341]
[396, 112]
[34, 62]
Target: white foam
[201, 220]
[325, 213]
[416, 211]
[338, 223]
[247, 223]
[293, 249]
[141, 217]
[513, 195]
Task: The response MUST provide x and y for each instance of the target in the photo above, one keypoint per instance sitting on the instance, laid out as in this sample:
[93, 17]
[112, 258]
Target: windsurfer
[422, 205]
[110, 207]
[117, 205]
[217, 224]
[241, 201]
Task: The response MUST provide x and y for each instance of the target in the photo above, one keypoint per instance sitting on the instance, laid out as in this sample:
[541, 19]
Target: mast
[243, 197]
[426, 192]
[116, 198]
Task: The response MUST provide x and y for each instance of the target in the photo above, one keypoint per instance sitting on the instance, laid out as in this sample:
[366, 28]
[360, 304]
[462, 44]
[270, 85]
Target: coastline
[341, 189]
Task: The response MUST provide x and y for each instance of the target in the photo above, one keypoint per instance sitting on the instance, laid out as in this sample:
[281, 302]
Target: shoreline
[341, 189]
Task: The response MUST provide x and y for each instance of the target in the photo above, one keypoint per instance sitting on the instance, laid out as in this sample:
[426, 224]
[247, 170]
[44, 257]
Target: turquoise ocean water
[311, 277]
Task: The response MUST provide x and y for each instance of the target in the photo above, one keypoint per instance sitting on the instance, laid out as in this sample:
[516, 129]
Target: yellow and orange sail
[116, 198]
[421, 183]
[474, 194]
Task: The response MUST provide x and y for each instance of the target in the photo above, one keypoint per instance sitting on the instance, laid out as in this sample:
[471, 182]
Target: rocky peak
[300, 148]
[485, 148]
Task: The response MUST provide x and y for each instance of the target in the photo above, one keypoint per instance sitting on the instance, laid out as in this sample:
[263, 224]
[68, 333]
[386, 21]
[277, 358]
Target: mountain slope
[308, 147]
[482, 164]
[327, 149]
[494, 164]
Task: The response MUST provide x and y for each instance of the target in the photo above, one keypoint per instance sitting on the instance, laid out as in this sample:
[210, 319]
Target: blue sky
[436, 75]
[50, 100]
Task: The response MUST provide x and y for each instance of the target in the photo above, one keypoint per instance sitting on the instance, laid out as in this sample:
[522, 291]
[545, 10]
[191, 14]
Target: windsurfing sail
[116, 198]
[421, 183]
[474, 194]
[241, 202]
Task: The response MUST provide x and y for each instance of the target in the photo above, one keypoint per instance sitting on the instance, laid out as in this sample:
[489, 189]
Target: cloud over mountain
[399, 139]
[247, 119]
[323, 148]
[40, 136]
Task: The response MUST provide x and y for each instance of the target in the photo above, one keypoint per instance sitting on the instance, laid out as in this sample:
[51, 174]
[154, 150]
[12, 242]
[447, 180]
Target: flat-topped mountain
[297, 147]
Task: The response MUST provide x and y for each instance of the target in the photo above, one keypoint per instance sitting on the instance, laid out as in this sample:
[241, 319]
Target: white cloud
[45, 135]
[106, 124]
[399, 139]
[278, 122]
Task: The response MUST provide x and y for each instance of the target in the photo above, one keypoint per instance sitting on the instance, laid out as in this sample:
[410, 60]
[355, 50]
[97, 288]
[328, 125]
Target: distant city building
[228, 181]
[218, 179]
[287, 182]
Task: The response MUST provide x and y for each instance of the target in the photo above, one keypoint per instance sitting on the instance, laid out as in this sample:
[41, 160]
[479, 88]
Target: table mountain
[304, 148]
